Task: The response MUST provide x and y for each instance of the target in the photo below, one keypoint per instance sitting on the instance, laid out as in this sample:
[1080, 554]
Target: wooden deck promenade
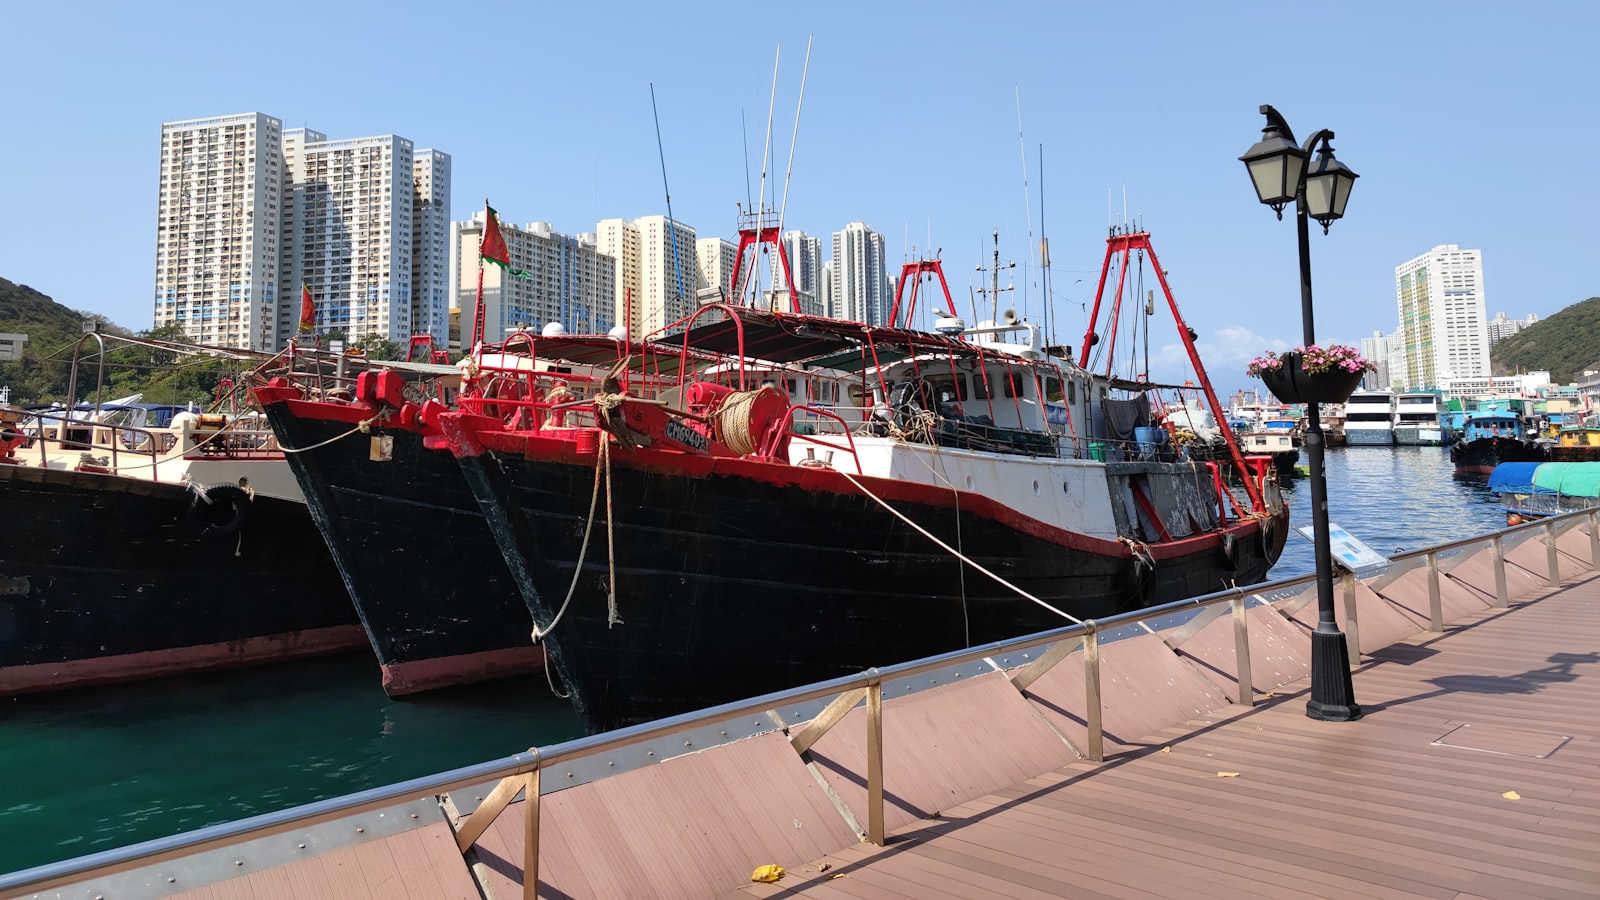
[1475, 772]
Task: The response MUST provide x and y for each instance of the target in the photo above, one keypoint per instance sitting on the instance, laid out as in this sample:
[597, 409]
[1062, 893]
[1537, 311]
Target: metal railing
[520, 773]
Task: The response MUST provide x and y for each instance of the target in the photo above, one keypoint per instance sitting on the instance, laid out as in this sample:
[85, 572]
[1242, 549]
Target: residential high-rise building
[825, 290]
[217, 229]
[805, 266]
[570, 281]
[1376, 350]
[430, 245]
[1442, 319]
[656, 273]
[714, 262]
[860, 278]
[249, 212]
[1499, 328]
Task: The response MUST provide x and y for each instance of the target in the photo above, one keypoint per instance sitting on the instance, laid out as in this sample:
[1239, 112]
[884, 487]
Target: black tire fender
[219, 510]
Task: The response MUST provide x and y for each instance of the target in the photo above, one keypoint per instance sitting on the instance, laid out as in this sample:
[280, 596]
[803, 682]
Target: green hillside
[1566, 344]
[44, 371]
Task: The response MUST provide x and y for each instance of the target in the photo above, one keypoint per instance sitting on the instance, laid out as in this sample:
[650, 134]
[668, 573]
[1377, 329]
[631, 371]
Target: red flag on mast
[308, 310]
[493, 246]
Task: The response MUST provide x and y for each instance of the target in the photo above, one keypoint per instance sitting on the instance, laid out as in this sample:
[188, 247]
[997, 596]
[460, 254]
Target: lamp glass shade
[1328, 185]
[1275, 165]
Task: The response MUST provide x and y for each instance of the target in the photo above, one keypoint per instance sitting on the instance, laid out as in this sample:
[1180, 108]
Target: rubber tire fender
[219, 510]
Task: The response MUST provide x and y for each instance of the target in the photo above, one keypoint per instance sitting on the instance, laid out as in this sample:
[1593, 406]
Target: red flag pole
[477, 316]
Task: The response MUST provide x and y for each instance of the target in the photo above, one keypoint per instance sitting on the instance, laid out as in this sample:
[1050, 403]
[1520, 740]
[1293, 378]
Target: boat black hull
[719, 599]
[1479, 457]
[423, 571]
[105, 578]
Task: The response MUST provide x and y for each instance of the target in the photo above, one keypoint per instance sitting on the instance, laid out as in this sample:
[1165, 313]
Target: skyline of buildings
[248, 211]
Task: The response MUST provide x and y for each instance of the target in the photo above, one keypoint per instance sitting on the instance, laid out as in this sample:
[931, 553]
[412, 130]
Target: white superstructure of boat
[1369, 419]
[1416, 419]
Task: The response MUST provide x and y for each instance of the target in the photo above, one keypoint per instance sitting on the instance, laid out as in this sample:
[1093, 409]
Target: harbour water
[90, 770]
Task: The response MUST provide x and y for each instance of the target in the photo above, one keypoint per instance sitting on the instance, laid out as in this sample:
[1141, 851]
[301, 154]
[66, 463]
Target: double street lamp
[1278, 168]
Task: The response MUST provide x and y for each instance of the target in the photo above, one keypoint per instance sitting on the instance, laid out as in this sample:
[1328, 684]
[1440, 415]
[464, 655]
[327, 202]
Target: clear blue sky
[1469, 122]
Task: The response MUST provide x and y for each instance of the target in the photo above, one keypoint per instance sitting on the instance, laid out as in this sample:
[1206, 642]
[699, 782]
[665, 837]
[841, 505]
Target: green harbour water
[90, 770]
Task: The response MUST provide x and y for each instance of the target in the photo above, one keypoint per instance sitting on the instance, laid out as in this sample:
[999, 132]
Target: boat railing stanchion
[1435, 602]
[1091, 692]
[1241, 652]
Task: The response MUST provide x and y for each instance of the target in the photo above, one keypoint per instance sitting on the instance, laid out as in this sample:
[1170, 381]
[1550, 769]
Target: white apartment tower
[1442, 319]
[354, 245]
[656, 275]
[570, 281]
[805, 265]
[714, 262]
[860, 280]
[1499, 328]
[217, 229]
[249, 211]
[430, 245]
[1376, 349]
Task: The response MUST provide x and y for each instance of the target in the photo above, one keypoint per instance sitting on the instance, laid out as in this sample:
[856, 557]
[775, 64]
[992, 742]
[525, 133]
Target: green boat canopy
[1574, 479]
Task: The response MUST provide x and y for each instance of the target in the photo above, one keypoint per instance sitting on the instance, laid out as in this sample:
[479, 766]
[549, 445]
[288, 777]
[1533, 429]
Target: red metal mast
[756, 229]
[1125, 243]
[913, 272]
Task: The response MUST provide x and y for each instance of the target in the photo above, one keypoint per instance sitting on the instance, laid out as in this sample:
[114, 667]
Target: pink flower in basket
[1314, 360]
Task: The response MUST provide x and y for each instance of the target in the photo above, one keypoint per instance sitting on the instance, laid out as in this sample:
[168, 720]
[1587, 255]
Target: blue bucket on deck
[1150, 440]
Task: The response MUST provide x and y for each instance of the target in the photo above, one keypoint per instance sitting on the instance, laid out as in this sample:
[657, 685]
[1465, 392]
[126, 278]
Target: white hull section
[1371, 437]
[1072, 494]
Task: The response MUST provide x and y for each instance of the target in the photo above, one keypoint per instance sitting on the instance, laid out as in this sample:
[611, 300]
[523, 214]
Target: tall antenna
[744, 134]
[672, 224]
[1022, 154]
[1044, 258]
[804, 70]
[766, 156]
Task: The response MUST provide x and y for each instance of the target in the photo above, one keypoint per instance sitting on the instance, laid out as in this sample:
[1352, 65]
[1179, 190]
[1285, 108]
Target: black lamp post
[1278, 169]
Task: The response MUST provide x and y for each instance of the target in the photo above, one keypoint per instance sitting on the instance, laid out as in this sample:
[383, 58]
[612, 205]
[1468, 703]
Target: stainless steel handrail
[110, 862]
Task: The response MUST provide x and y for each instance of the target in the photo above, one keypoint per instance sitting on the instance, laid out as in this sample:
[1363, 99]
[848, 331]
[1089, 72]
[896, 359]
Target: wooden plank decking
[1474, 773]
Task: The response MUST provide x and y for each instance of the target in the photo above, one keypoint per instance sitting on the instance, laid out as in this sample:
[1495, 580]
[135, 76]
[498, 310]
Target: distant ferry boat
[1369, 419]
[1416, 419]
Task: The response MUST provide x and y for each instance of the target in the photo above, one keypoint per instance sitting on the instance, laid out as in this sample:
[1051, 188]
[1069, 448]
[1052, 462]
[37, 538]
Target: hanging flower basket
[1291, 383]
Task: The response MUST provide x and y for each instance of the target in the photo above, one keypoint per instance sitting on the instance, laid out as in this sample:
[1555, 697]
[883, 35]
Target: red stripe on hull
[156, 663]
[400, 679]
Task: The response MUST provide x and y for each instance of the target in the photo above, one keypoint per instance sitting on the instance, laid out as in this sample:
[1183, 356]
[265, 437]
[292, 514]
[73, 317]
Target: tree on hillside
[1566, 344]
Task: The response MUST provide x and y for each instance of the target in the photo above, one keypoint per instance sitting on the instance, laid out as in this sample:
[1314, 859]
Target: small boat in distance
[1369, 419]
[1576, 443]
[1490, 437]
[1416, 419]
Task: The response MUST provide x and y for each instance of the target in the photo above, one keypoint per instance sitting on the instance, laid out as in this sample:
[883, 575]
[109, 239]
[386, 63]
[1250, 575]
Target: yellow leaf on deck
[1227, 774]
[1512, 795]
[767, 874]
[1166, 749]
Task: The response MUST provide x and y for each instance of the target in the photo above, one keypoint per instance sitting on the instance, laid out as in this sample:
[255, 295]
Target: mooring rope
[954, 552]
[364, 426]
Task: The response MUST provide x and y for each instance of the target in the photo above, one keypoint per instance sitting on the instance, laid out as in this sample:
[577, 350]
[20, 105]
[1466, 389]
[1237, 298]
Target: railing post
[1552, 558]
[1241, 654]
[1352, 628]
[1594, 539]
[1501, 600]
[875, 763]
[1435, 603]
[530, 848]
[1091, 694]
